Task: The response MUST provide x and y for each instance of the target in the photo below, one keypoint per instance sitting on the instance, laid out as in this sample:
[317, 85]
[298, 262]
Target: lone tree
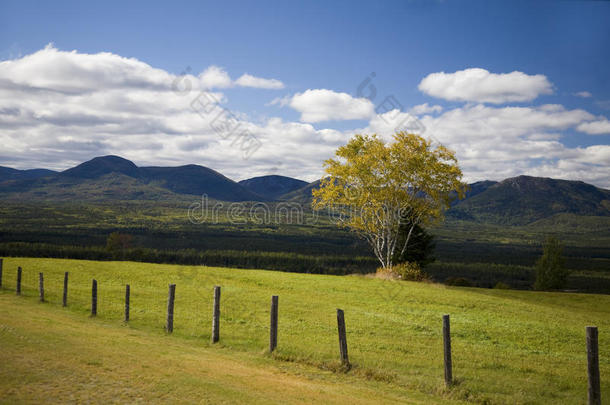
[117, 243]
[374, 188]
[550, 271]
[420, 249]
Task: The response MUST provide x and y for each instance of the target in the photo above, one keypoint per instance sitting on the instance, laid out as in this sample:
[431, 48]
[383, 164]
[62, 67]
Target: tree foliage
[551, 273]
[420, 249]
[118, 242]
[374, 187]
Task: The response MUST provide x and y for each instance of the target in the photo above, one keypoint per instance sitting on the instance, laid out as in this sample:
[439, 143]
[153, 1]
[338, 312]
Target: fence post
[342, 339]
[169, 324]
[64, 300]
[273, 324]
[41, 286]
[127, 291]
[447, 350]
[594, 392]
[94, 298]
[18, 290]
[216, 316]
[1, 263]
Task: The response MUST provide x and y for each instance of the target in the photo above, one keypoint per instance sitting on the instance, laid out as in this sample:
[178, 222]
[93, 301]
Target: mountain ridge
[513, 201]
[273, 185]
[152, 182]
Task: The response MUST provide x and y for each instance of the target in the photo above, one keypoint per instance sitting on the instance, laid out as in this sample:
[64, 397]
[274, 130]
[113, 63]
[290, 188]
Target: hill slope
[499, 355]
[198, 180]
[303, 194]
[515, 201]
[524, 199]
[101, 166]
[273, 187]
[114, 178]
[79, 363]
[8, 173]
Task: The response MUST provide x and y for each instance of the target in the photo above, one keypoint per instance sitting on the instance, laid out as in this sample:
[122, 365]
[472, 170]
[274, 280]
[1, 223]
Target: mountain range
[515, 201]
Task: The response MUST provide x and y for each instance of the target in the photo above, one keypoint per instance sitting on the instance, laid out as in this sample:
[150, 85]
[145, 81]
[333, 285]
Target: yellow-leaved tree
[372, 187]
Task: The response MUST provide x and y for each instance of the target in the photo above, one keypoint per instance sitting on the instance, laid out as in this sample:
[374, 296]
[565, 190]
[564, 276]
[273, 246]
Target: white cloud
[247, 80]
[425, 109]
[215, 77]
[391, 122]
[72, 72]
[583, 94]
[280, 101]
[60, 108]
[326, 105]
[481, 86]
[69, 107]
[600, 127]
[496, 143]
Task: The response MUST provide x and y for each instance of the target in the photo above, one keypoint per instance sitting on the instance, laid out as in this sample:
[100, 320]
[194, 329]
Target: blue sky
[560, 49]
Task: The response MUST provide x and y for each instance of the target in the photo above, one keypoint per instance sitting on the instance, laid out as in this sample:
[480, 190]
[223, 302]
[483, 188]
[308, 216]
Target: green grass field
[508, 346]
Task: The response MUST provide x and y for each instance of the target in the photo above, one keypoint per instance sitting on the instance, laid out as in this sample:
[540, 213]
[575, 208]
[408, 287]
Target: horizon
[279, 175]
[514, 89]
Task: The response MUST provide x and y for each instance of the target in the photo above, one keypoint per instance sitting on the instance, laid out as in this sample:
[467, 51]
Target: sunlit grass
[509, 346]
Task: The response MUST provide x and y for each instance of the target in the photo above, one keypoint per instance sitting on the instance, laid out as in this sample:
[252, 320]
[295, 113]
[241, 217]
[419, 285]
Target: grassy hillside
[51, 356]
[509, 346]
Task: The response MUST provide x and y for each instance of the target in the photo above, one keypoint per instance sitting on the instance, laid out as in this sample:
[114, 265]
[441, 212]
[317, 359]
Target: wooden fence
[594, 388]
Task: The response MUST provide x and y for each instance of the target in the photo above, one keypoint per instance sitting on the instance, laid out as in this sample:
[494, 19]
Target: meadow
[162, 233]
[508, 346]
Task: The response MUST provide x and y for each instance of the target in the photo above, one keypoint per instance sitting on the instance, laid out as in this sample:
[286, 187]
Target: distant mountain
[8, 173]
[112, 177]
[198, 180]
[273, 186]
[108, 187]
[524, 199]
[102, 165]
[515, 201]
[303, 194]
[479, 187]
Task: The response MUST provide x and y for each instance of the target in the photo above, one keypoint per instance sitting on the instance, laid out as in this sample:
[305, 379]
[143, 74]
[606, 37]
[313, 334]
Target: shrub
[501, 286]
[409, 271]
[458, 282]
[386, 274]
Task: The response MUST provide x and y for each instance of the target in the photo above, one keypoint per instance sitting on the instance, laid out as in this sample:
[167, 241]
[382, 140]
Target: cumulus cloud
[59, 108]
[481, 86]
[500, 142]
[599, 127]
[425, 109]
[215, 77]
[326, 105]
[247, 80]
[583, 94]
[69, 107]
[393, 121]
[72, 72]
[496, 143]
